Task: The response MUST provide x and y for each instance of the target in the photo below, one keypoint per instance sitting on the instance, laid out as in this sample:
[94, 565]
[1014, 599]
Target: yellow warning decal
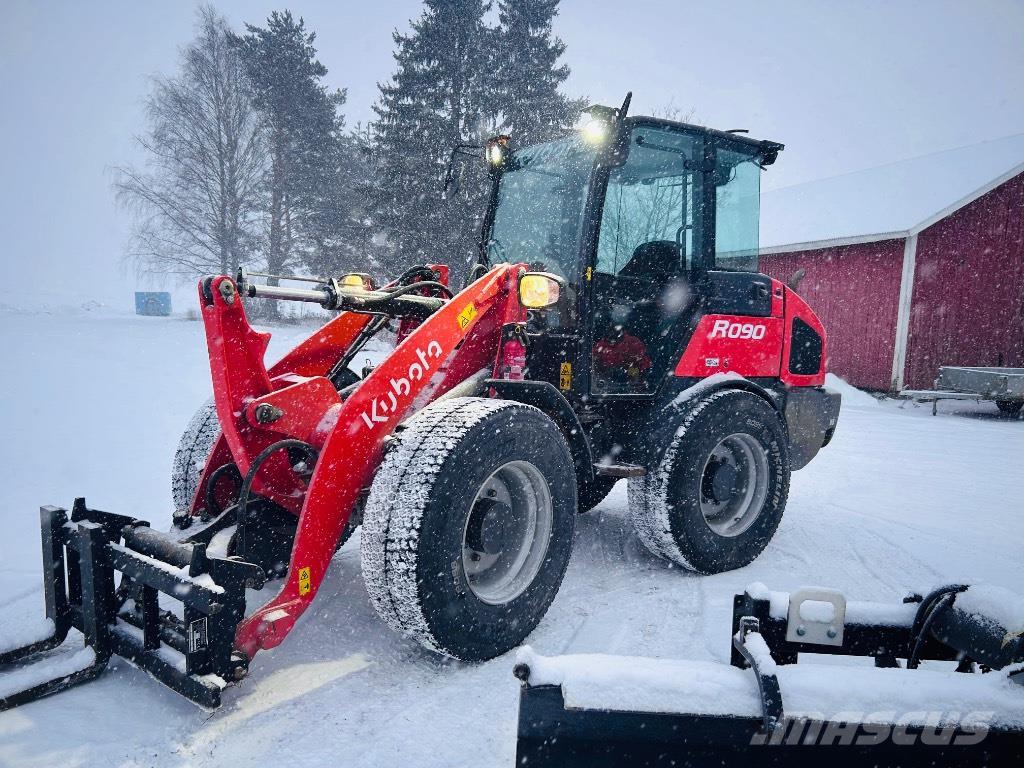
[305, 583]
[565, 376]
[590, 274]
[466, 316]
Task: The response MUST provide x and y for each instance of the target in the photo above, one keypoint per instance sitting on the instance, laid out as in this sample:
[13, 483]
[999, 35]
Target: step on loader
[614, 325]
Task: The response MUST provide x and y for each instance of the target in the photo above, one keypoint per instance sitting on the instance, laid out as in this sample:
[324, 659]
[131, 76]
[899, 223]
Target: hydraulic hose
[930, 607]
[254, 468]
[422, 285]
[212, 507]
[418, 271]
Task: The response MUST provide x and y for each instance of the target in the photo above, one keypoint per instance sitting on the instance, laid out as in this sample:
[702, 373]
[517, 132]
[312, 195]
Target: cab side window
[737, 210]
[650, 199]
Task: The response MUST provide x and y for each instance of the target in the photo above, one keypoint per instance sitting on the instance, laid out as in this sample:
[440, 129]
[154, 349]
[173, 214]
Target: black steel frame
[552, 734]
[884, 642]
[81, 556]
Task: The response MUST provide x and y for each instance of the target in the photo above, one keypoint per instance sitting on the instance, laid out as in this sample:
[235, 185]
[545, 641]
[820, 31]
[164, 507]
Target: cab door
[649, 233]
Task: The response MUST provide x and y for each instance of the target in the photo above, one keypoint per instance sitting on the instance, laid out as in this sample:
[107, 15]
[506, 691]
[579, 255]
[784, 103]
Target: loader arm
[445, 349]
[240, 377]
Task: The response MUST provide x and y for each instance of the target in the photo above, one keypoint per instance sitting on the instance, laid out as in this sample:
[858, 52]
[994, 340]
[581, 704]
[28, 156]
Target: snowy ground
[93, 403]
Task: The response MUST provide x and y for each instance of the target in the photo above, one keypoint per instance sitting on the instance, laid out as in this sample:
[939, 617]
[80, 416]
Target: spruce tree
[339, 226]
[529, 72]
[442, 93]
[304, 138]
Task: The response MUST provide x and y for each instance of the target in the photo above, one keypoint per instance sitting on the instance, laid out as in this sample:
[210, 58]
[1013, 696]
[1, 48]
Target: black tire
[190, 458]
[666, 504]
[419, 512]
[594, 492]
[1009, 407]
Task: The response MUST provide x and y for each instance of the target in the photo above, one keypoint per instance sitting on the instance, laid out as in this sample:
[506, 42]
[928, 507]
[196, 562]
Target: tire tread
[398, 499]
[197, 441]
[649, 495]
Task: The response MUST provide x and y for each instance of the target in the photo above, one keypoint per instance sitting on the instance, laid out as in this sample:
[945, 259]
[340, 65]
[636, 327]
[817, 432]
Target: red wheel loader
[613, 326]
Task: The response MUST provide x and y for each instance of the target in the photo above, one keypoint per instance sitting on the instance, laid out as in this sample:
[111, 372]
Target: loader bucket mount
[191, 654]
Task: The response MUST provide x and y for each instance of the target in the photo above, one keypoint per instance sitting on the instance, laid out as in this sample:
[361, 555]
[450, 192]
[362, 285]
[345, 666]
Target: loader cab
[638, 219]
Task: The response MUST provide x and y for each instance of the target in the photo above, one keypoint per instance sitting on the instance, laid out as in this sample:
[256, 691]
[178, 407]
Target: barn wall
[968, 299]
[854, 289]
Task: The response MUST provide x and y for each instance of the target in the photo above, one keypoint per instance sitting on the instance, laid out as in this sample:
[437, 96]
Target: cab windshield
[539, 212]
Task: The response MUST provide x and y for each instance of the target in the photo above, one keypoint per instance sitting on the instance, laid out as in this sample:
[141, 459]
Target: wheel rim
[505, 539]
[734, 484]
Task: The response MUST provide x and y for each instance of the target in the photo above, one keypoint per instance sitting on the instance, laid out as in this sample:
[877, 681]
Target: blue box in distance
[154, 303]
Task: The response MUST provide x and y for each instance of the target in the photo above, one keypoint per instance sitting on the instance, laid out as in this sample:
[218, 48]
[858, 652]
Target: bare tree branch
[198, 200]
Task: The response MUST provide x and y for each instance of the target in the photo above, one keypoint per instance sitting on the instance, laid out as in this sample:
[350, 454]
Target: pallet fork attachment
[191, 653]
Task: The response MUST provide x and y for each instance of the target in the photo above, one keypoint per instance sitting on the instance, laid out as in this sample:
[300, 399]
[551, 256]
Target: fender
[689, 389]
[543, 395]
[677, 396]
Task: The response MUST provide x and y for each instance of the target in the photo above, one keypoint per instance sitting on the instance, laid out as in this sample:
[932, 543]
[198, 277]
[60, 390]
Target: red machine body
[754, 347]
[434, 355]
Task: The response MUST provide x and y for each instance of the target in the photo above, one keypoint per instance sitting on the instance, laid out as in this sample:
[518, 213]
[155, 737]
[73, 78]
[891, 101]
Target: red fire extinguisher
[513, 354]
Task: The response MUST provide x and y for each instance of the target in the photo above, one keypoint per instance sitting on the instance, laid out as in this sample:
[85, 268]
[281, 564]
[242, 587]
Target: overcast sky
[845, 85]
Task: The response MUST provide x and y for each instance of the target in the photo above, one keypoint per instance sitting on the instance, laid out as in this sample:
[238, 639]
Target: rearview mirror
[540, 290]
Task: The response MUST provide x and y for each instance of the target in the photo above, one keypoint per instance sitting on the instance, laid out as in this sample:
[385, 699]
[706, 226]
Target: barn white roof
[893, 200]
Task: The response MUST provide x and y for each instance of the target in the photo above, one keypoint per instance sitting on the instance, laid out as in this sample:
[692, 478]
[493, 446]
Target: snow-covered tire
[670, 505]
[194, 449]
[595, 491]
[423, 503]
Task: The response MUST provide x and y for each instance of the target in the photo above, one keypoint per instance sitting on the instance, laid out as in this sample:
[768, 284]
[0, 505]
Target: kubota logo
[385, 406]
[728, 330]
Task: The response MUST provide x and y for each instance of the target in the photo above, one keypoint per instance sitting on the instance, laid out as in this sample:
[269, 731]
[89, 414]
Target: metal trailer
[1004, 386]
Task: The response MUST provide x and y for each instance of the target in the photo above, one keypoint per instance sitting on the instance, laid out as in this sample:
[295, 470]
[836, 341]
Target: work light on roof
[595, 130]
[495, 149]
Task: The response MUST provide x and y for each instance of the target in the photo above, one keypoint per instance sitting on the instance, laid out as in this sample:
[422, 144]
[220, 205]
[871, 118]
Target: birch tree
[196, 199]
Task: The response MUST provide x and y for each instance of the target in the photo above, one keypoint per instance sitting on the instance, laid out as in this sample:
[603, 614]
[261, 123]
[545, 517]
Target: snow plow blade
[764, 709]
[191, 653]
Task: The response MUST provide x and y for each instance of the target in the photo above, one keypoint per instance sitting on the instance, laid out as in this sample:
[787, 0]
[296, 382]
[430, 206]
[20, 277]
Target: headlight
[538, 290]
[495, 149]
[356, 280]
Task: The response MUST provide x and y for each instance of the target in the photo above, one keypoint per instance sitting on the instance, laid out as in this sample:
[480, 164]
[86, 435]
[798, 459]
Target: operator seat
[661, 297]
[649, 271]
[654, 268]
[656, 261]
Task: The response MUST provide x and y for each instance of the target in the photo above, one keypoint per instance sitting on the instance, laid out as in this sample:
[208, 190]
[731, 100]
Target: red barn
[910, 265]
